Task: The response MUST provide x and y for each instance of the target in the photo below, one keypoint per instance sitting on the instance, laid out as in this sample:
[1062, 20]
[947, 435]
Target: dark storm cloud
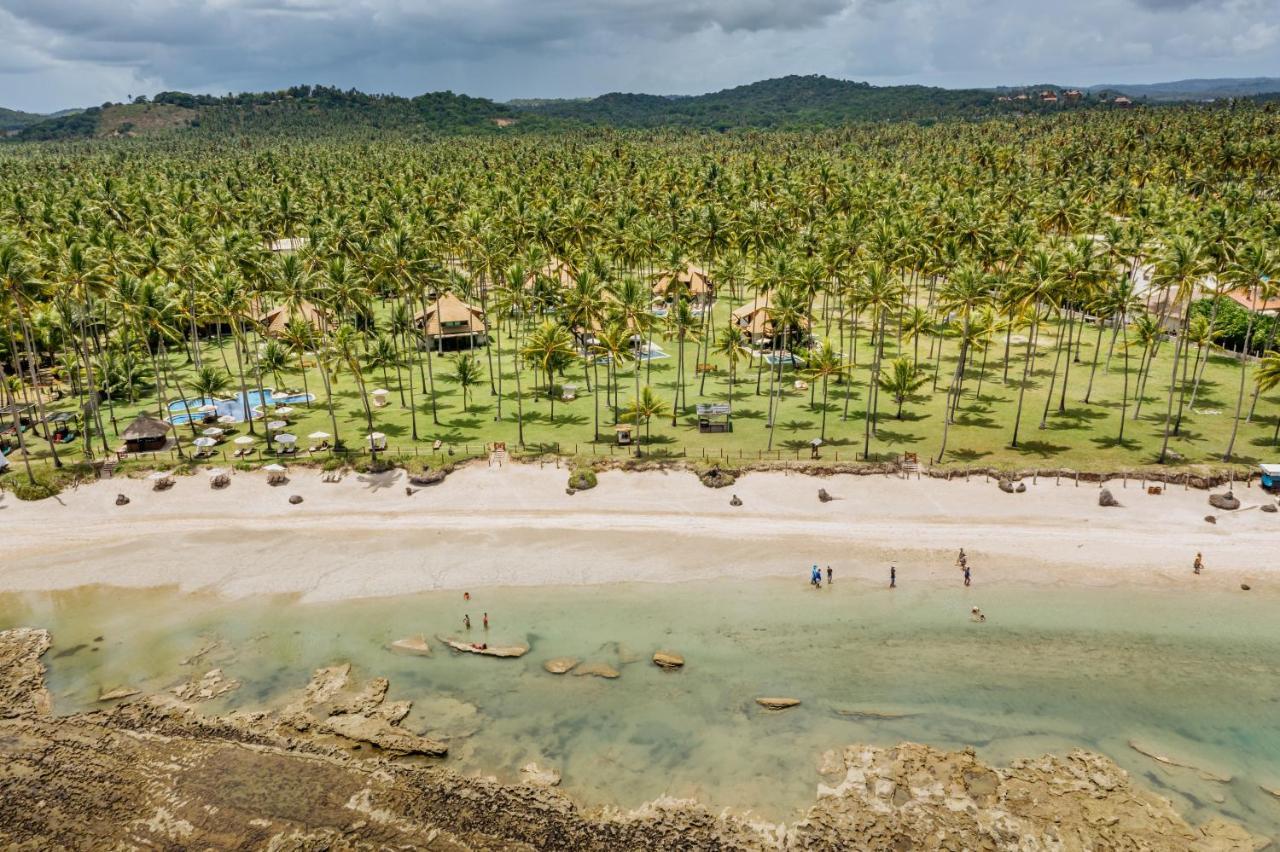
[60, 52]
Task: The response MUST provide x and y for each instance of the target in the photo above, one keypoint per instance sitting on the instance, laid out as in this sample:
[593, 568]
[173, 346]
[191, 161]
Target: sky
[56, 54]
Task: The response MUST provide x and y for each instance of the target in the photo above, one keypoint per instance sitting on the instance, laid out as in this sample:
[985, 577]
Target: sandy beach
[515, 526]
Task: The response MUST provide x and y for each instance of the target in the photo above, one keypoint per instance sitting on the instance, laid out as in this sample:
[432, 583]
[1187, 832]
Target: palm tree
[1267, 377]
[551, 347]
[787, 310]
[731, 346]
[1177, 272]
[901, 380]
[467, 373]
[825, 364]
[209, 382]
[346, 350]
[614, 343]
[642, 409]
[963, 294]
[683, 325]
[1255, 269]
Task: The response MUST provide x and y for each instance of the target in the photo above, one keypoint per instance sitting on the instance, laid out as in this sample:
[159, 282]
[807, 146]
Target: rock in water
[603, 670]
[560, 665]
[213, 684]
[778, 703]
[1227, 502]
[536, 776]
[295, 499]
[412, 645]
[122, 500]
[118, 693]
[736, 501]
[668, 660]
[1006, 486]
[1106, 498]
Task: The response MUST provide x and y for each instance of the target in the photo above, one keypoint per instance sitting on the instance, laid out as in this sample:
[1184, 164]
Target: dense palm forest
[1046, 290]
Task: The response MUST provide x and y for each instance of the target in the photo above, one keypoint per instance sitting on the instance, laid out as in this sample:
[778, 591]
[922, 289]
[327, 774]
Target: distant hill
[1196, 90]
[11, 120]
[783, 102]
[301, 110]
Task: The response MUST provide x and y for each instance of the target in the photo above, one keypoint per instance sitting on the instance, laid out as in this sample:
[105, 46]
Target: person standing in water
[1198, 565]
[466, 621]
[966, 574]
[893, 577]
[486, 621]
[828, 575]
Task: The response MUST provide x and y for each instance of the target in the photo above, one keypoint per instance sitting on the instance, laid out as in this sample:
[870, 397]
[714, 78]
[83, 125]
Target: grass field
[1081, 436]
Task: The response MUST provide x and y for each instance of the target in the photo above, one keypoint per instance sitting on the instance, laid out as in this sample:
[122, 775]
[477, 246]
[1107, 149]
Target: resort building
[449, 321]
[692, 280]
[754, 321]
[275, 320]
[1250, 301]
[145, 434]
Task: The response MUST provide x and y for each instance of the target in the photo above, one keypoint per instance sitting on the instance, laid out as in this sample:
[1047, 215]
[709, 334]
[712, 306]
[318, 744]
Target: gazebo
[714, 417]
[145, 434]
[451, 320]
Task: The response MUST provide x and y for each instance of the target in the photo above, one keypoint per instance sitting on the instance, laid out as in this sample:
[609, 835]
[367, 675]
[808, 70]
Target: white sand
[516, 526]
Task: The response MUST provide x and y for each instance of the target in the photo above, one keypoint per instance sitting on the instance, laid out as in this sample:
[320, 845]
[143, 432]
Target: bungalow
[1048, 97]
[692, 280]
[1123, 102]
[278, 318]
[1073, 95]
[1251, 301]
[754, 321]
[450, 320]
[145, 434]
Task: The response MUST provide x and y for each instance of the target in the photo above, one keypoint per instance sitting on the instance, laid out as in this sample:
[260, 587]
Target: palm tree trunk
[1173, 387]
[1026, 379]
[1244, 369]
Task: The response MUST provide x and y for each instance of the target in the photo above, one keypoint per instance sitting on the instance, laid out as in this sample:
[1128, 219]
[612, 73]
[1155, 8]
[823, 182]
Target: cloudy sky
[61, 53]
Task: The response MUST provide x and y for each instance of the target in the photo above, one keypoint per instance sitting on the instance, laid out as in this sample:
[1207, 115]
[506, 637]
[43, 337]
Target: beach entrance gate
[714, 417]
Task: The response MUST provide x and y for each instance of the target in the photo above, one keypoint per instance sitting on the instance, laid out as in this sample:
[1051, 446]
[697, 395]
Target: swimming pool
[235, 407]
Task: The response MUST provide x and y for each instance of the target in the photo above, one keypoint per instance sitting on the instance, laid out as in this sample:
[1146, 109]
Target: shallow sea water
[1190, 675]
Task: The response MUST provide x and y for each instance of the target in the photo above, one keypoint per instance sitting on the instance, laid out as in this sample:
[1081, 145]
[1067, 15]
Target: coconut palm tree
[1267, 378]
[825, 364]
[467, 373]
[901, 380]
[642, 409]
[551, 347]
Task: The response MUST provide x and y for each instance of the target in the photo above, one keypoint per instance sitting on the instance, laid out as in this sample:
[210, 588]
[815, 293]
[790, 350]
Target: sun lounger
[438, 443]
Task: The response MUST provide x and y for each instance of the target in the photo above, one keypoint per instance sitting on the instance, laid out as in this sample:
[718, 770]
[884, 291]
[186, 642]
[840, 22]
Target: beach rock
[1227, 502]
[412, 645]
[668, 660]
[735, 500]
[1211, 519]
[778, 703]
[1022, 488]
[717, 478]
[122, 500]
[1006, 486]
[560, 665]
[210, 685]
[118, 693]
[22, 687]
[1269, 508]
[487, 650]
[1106, 498]
[603, 670]
[428, 477]
[536, 776]
[823, 496]
[1244, 587]
[295, 499]
[384, 735]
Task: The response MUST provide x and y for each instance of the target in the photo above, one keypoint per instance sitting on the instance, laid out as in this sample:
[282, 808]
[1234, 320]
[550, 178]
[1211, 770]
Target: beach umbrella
[286, 438]
[226, 420]
[284, 411]
[276, 425]
[212, 432]
[205, 409]
[245, 440]
[280, 396]
[204, 443]
[275, 468]
[319, 436]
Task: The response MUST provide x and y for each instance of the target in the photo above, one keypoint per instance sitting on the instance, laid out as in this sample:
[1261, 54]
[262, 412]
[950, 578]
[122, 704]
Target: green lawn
[1082, 436]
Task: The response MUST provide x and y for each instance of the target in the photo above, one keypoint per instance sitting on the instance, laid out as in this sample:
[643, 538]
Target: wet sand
[516, 526]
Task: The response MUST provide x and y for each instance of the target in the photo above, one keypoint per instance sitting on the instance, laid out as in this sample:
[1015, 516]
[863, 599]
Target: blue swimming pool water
[235, 407]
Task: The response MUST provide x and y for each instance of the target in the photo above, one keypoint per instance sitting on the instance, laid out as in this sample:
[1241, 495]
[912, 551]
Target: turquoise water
[1190, 675]
[235, 407]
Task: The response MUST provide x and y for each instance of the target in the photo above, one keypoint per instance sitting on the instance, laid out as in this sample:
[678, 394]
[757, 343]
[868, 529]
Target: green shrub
[583, 479]
[25, 489]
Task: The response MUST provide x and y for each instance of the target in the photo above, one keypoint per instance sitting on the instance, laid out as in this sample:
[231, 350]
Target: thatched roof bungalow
[451, 319]
[145, 434]
[555, 270]
[275, 320]
[692, 280]
[754, 321]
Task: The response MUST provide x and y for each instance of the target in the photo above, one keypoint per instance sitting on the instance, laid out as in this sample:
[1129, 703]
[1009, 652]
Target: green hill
[784, 102]
[12, 119]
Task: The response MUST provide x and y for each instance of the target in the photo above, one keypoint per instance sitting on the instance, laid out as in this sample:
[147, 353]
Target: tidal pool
[1181, 672]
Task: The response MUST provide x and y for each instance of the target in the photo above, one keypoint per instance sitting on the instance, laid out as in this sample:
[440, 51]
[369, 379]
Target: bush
[583, 479]
[41, 489]
[333, 463]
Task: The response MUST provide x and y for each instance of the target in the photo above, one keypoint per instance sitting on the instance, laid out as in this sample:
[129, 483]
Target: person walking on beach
[1198, 566]
[966, 574]
[893, 577]
[486, 621]
[962, 560]
[815, 578]
[466, 621]
[828, 575]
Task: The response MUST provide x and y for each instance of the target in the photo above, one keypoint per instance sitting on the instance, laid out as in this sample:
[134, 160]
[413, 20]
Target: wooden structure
[278, 318]
[448, 319]
[753, 320]
[624, 433]
[714, 417]
[691, 281]
[146, 434]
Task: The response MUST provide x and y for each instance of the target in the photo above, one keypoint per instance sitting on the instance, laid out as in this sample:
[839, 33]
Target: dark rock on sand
[1106, 498]
[1227, 502]
[1269, 508]
[1244, 587]
[735, 500]
[122, 500]
[1211, 519]
[295, 499]
[823, 496]
[428, 477]
[1006, 486]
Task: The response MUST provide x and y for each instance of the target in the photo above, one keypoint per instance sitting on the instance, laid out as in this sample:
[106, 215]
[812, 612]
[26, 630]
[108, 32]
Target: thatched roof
[753, 317]
[278, 317]
[146, 427]
[456, 315]
[692, 279]
[555, 269]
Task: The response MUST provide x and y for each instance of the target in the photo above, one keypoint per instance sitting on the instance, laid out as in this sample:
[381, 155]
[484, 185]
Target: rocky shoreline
[334, 769]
